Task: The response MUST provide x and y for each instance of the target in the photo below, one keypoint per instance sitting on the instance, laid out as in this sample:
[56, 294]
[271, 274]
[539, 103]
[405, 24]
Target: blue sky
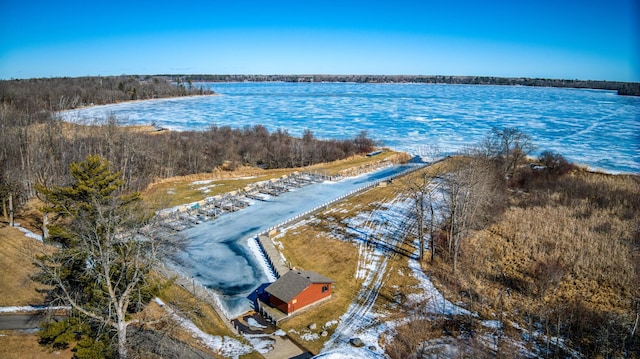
[595, 40]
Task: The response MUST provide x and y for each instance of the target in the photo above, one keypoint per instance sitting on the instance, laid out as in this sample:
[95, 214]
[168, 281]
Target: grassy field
[575, 238]
[17, 254]
[564, 255]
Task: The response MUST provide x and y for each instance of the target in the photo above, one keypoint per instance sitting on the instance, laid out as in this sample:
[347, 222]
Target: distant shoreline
[622, 88]
[138, 100]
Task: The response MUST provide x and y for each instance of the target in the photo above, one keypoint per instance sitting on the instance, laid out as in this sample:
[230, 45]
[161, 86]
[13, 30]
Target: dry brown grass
[566, 249]
[17, 255]
[21, 345]
[180, 190]
[361, 161]
[573, 240]
[198, 311]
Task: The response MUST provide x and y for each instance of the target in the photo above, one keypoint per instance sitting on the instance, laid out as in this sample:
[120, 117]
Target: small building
[297, 289]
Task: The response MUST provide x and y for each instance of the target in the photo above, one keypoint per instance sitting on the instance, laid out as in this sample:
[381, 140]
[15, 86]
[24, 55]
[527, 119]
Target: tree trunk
[431, 226]
[455, 259]
[45, 226]
[421, 227]
[122, 339]
[11, 209]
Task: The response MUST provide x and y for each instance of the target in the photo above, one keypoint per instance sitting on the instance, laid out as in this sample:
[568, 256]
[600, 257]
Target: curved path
[381, 230]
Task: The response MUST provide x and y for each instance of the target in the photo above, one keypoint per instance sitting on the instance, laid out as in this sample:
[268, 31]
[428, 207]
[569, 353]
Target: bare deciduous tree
[421, 189]
[471, 194]
[509, 146]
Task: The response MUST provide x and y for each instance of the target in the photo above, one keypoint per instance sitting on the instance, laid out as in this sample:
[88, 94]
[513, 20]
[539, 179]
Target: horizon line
[324, 75]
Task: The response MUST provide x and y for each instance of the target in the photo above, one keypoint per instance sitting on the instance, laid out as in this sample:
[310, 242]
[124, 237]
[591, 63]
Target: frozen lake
[218, 256]
[591, 127]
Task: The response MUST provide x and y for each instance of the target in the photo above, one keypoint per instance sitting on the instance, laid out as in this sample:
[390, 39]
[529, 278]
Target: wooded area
[37, 148]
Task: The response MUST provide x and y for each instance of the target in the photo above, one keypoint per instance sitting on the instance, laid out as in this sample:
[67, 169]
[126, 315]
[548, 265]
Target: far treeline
[623, 88]
[36, 147]
[64, 93]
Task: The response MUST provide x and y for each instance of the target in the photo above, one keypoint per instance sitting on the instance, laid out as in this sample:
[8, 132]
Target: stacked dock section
[182, 217]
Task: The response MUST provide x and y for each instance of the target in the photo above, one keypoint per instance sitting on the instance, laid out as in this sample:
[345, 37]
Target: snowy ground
[27, 232]
[30, 308]
[387, 225]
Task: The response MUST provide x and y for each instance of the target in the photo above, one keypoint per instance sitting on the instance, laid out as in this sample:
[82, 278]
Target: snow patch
[493, 324]
[197, 183]
[206, 189]
[254, 247]
[28, 233]
[330, 323]
[309, 336]
[436, 303]
[31, 308]
[260, 342]
[254, 323]
[348, 352]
